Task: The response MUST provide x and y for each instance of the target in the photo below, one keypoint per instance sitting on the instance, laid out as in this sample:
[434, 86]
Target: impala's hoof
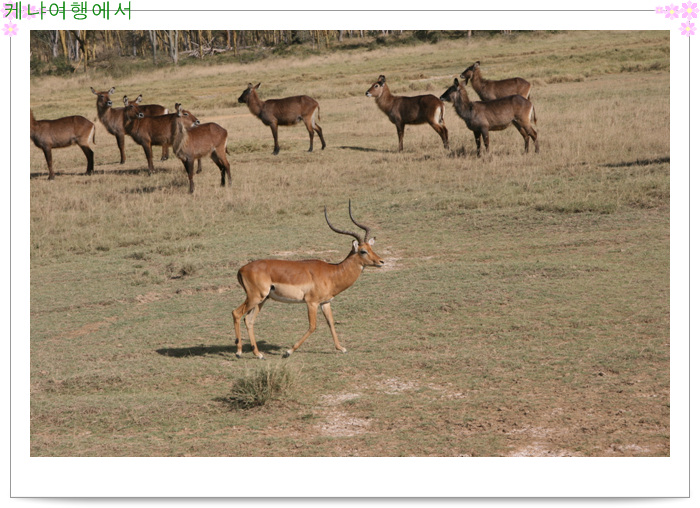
[238, 355]
[287, 353]
[343, 350]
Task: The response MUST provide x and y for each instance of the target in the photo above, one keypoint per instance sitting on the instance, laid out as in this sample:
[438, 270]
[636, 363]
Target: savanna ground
[524, 309]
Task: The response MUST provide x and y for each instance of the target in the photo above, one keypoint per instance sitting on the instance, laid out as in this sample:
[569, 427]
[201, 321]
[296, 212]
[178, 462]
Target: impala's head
[184, 116]
[362, 247]
[246, 93]
[451, 93]
[469, 71]
[377, 87]
[103, 100]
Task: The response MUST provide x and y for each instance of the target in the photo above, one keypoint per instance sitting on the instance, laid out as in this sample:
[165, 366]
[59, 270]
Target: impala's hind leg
[245, 309]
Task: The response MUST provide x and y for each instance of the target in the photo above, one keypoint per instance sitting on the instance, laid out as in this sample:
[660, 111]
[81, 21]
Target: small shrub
[262, 385]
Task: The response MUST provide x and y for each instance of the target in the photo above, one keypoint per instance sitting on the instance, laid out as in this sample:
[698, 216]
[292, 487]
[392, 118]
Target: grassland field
[523, 309]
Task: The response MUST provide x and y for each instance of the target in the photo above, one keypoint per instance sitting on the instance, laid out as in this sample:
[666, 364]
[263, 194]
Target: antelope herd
[313, 282]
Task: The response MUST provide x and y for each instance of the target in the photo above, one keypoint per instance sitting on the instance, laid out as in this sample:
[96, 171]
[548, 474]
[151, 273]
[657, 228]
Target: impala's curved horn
[367, 230]
[356, 236]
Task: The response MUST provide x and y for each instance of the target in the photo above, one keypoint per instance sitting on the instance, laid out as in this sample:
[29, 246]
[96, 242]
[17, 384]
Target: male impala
[312, 281]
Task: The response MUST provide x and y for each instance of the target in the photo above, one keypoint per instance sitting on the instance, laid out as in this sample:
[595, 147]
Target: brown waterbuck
[194, 142]
[150, 110]
[488, 90]
[147, 131]
[112, 119]
[287, 111]
[495, 115]
[403, 110]
[313, 282]
[60, 133]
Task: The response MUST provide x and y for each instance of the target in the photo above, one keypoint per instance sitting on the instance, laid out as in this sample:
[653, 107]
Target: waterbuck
[193, 142]
[147, 131]
[403, 110]
[495, 115]
[60, 133]
[488, 90]
[112, 119]
[287, 111]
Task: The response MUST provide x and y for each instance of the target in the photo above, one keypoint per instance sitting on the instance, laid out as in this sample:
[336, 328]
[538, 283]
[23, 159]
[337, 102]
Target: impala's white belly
[288, 293]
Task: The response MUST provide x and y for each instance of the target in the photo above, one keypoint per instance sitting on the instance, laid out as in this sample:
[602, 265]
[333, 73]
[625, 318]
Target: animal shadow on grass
[363, 149]
[638, 162]
[185, 352]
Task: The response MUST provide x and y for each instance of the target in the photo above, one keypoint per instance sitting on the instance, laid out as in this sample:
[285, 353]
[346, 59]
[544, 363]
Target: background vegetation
[524, 308]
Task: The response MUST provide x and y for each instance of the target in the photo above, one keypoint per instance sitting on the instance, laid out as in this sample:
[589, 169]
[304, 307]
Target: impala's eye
[363, 251]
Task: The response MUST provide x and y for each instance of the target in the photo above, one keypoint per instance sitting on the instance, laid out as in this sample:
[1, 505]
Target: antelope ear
[371, 241]
[93, 91]
[126, 100]
[476, 64]
[111, 91]
[355, 245]
[456, 82]
[139, 99]
[256, 86]
[179, 110]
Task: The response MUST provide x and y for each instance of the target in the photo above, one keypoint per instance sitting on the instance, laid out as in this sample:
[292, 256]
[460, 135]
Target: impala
[496, 115]
[488, 90]
[62, 132]
[403, 110]
[287, 111]
[313, 282]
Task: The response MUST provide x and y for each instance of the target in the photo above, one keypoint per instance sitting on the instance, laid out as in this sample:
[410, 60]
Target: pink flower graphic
[687, 29]
[27, 10]
[690, 10]
[660, 10]
[10, 29]
[671, 11]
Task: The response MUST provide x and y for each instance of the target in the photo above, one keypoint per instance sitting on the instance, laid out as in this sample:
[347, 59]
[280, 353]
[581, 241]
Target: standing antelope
[147, 131]
[312, 281]
[60, 133]
[193, 142]
[488, 90]
[287, 111]
[403, 110]
[112, 119]
[496, 115]
[150, 110]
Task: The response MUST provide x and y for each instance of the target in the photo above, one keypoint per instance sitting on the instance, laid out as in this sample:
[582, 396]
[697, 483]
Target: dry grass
[524, 309]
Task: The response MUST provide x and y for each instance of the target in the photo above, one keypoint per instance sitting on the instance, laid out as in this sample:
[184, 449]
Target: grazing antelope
[193, 142]
[287, 111]
[147, 131]
[112, 119]
[312, 281]
[488, 90]
[496, 115]
[403, 110]
[62, 132]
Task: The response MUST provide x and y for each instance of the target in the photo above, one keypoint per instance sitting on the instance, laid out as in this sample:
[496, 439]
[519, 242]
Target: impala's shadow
[185, 352]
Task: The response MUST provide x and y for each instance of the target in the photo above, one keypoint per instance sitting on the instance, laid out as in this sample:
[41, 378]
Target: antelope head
[362, 247]
[377, 87]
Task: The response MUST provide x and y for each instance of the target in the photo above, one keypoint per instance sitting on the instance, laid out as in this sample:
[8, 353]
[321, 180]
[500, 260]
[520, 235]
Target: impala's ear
[355, 246]
[111, 91]
[371, 241]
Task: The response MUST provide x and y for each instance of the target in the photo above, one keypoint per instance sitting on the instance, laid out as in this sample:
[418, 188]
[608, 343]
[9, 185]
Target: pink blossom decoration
[29, 12]
[660, 10]
[690, 10]
[671, 11]
[687, 28]
[10, 29]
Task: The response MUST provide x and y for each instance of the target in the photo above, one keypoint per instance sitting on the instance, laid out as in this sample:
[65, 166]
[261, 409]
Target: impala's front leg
[326, 308]
[313, 309]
